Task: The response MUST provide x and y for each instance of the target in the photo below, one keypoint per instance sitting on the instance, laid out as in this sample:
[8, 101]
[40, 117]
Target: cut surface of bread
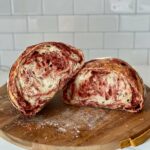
[41, 71]
[106, 83]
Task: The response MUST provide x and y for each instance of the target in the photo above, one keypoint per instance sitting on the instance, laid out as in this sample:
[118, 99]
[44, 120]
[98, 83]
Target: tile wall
[117, 28]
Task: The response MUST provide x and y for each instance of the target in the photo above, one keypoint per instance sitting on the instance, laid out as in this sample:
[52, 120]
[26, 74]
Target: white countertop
[144, 72]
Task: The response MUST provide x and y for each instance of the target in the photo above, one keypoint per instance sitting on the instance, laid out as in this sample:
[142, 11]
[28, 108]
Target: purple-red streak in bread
[40, 72]
[106, 83]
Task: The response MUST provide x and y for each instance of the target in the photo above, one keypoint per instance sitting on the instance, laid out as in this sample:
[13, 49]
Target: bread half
[41, 71]
[106, 83]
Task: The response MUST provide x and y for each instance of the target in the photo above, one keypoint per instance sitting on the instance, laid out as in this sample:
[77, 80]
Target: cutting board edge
[36, 146]
[16, 141]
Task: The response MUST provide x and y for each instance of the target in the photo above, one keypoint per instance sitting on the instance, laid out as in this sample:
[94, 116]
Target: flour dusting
[70, 121]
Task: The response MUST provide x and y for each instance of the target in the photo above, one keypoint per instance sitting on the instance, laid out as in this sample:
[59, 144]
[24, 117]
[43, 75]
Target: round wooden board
[61, 126]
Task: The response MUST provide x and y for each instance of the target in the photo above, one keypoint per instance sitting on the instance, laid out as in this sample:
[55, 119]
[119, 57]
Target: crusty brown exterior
[110, 65]
[16, 93]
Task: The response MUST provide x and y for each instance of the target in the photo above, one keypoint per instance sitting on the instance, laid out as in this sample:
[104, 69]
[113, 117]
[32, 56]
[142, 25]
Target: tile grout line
[149, 23]
[76, 32]
[11, 7]
[73, 10]
[134, 37]
[136, 7]
[13, 38]
[88, 23]
[104, 3]
[118, 52]
[73, 14]
[103, 38]
[27, 24]
[88, 54]
[0, 59]
[73, 38]
[57, 17]
[148, 50]
[42, 8]
[43, 37]
[13, 34]
[119, 19]
[148, 62]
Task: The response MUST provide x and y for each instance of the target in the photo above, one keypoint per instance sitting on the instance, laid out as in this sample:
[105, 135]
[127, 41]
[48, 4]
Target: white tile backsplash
[102, 53]
[24, 40]
[5, 8]
[6, 41]
[134, 56]
[118, 40]
[148, 57]
[9, 57]
[142, 40]
[103, 23]
[99, 27]
[88, 40]
[55, 7]
[143, 6]
[73, 23]
[88, 6]
[134, 23]
[86, 54]
[42, 23]
[26, 7]
[13, 24]
[61, 37]
[120, 6]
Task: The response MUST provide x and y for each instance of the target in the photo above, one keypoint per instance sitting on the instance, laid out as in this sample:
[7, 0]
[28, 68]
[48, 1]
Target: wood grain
[61, 126]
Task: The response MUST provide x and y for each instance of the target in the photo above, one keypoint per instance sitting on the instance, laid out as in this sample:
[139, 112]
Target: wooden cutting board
[61, 126]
